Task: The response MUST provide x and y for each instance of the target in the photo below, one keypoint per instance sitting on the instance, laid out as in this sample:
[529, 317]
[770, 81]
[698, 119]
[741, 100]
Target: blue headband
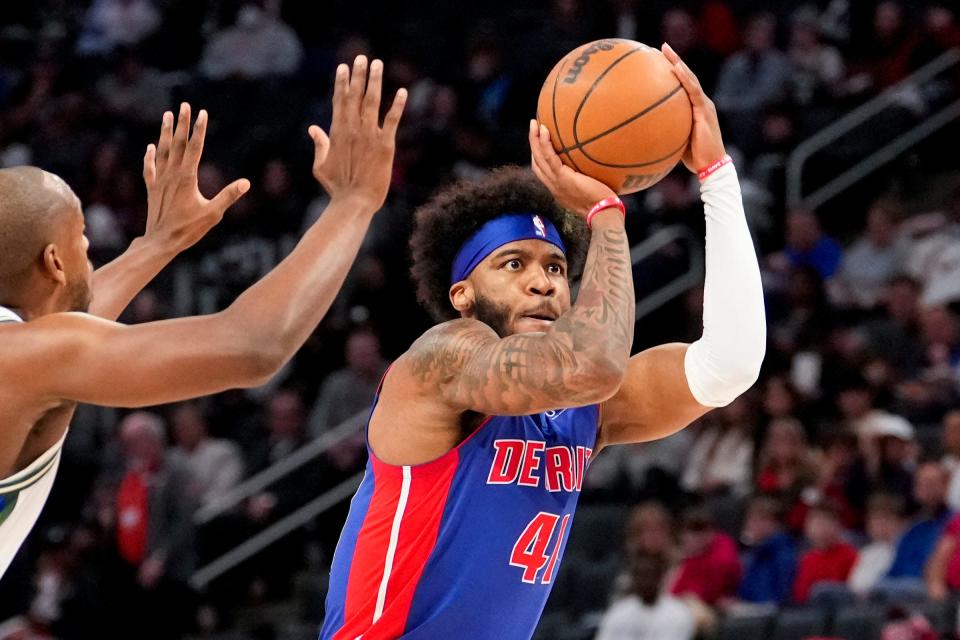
[510, 227]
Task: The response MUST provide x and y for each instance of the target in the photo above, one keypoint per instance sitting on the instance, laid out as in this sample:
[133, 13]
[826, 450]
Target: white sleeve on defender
[726, 360]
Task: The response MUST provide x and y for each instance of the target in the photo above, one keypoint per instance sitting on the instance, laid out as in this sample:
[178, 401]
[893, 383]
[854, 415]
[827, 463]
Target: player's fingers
[371, 99]
[230, 194]
[166, 138]
[321, 145]
[392, 120]
[546, 147]
[540, 166]
[686, 77]
[195, 146]
[358, 82]
[341, 88]
[180, 135]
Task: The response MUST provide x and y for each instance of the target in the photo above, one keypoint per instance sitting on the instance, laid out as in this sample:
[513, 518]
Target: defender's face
[521, 287]
[79, 268]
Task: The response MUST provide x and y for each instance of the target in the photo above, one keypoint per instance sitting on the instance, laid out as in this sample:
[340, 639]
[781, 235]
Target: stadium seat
[597, 532]
[942, 616]
[797, 624]
[744, 628]
[858, 622]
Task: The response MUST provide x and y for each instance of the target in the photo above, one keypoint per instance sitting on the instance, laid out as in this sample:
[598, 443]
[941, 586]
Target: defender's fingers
[150, 167]
[195, 146]
[358, 83]
[392, 119]
[321, 145]
[166, 139]
[180, 135]
[230, 194]
[341, 88]
[371, 99]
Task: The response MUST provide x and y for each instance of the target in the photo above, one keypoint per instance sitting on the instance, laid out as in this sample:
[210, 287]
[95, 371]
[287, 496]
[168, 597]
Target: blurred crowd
[834, 480]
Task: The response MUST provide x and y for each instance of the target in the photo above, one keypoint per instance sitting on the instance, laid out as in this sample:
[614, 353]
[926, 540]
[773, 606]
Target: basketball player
[54, 355]
[481, 432]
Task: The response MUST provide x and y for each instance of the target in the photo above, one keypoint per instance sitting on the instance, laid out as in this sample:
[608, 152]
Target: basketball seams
[580, 145]
[593, 86]
[553, 104]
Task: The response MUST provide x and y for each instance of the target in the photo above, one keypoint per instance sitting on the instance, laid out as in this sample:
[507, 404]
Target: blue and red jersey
[468, 545]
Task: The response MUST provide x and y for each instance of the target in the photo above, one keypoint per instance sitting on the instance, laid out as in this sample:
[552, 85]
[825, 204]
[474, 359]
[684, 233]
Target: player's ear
[53, 265]
[461, 296]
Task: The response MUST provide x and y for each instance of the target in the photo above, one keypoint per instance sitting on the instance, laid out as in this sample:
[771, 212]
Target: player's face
[521, 287]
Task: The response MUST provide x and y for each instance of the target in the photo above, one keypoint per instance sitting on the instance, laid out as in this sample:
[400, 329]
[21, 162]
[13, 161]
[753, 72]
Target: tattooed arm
[580, 360]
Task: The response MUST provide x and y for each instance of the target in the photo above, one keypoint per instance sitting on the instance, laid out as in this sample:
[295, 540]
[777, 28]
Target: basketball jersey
[23, 494]
[466, 546]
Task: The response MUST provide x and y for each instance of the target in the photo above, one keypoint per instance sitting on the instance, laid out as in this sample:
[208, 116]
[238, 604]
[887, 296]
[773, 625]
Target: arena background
[858, 233]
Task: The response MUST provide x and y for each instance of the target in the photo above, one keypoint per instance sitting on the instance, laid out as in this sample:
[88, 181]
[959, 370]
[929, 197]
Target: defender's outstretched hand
[574, 191]
[706, 143]
[177, 213]
[356, 160]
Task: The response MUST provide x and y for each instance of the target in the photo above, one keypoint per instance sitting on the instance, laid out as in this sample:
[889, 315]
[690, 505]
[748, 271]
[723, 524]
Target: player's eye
[513, 265]
[555, 269]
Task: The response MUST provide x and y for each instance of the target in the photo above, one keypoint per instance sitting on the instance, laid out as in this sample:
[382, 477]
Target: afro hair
[454, 214]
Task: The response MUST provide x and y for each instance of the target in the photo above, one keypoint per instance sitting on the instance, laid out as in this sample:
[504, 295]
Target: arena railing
[892, 96]
[349, 428]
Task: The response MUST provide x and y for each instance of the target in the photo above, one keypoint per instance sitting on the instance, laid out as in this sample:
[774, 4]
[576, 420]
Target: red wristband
[606, 203]
[706, 172]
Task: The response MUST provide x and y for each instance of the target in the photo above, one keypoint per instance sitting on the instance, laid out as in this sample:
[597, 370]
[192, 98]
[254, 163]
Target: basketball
[616, 112]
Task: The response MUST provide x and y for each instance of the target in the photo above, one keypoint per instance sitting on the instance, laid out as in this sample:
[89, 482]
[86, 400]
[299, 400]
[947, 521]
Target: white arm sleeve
[726, 360]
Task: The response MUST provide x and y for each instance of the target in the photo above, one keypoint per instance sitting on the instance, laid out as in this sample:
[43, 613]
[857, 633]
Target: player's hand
[177, 213]
[574, 191]
[706, 143]
[356, 161]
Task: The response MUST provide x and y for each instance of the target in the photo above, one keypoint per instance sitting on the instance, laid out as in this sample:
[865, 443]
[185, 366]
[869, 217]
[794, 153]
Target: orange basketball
[617, 113]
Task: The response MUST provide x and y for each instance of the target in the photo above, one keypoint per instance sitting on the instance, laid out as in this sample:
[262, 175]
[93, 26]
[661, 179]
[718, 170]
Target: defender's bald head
[33, 205]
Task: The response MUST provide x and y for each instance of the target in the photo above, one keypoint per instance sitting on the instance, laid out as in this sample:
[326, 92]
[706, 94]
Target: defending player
[52, 355]
[480, 435]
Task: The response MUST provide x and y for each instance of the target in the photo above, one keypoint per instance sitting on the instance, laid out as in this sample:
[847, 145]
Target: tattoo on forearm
[471, 365]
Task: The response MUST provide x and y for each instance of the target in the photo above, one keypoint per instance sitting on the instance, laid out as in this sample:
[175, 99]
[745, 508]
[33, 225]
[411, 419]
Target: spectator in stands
[772, 561]
[134, 91]
[943, 569]
[885, 524]
[285, 427]
[721, 459]
[647, 612]
[834, 472]
[350, 390]
[112, 23]
[710, 566]
[153, 518]
[678, 28]
[829, 559]
[816, 67]
[885, 58]
[935, 259]
[872, 261]
[215, 464]
[905, 577]
[785, 467]
[888, 458]
[650, 530]
[284, 424]
[752, 81]
[896, 334]
[809, 246]
[951, 457]
[258, 45]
